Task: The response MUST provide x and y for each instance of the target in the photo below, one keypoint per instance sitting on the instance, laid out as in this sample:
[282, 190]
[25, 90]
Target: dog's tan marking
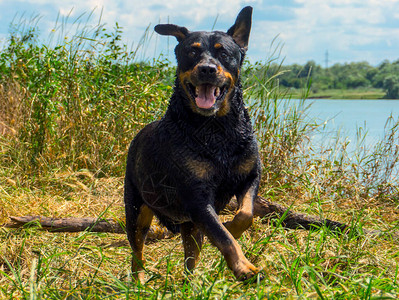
[143, 223]
[235, 259]
[200, 169]
[246, 165]
[225, 105]
[185, 77]
[218, 46]
[237, 262]
[196, 45]
[226, 75]
[243, 219]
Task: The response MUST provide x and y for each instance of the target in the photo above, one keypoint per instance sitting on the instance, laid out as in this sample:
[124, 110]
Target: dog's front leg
[208, 221]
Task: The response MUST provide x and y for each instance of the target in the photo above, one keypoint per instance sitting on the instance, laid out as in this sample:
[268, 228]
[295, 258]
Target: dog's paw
[247, 273]
[252, 278]
[139, 276]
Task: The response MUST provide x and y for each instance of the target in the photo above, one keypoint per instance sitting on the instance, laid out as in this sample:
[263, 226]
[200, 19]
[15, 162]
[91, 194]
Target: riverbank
[342, 94]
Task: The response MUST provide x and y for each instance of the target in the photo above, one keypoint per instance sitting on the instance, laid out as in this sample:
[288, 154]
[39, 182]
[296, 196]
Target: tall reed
[78, 102]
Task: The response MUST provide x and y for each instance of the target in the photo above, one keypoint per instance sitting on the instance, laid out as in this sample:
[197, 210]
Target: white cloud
[141, 13]
[341, 26]
[307, 27]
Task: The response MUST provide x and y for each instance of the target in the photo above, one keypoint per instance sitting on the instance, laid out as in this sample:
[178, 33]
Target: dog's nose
[207, 69]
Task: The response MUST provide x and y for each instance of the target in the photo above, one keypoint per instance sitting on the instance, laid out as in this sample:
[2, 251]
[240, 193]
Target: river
[348, 117]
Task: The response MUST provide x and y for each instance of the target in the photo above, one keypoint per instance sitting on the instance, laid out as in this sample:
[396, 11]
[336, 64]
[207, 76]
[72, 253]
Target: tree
[391, 86]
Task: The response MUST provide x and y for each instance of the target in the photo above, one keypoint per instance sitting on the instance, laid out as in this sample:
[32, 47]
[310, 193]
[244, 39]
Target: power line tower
[326, 59]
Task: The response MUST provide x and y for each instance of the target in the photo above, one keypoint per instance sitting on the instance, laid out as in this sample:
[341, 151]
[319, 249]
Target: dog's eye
[224, 55]
[193, 52]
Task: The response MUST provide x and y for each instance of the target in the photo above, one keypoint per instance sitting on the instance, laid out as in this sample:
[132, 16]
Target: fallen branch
[68, 224]
[267, 209]
[262, 208]
[82, 224]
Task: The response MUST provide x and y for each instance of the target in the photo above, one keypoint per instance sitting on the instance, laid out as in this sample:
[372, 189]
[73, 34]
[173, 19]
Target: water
[348, 117]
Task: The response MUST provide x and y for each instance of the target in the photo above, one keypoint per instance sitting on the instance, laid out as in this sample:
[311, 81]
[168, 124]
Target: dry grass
[11, 112]
[297, 264]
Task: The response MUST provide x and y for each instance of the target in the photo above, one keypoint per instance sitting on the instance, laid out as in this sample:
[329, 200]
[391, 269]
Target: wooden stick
[82, 224]
[68, 224]
[262, 208]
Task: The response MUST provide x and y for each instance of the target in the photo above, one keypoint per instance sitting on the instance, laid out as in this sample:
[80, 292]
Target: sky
[289, 31]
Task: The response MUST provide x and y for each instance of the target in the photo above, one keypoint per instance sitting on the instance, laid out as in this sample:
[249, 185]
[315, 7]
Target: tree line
[340, 76]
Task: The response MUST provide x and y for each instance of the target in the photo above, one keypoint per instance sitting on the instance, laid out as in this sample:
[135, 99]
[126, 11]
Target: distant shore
[365, 94]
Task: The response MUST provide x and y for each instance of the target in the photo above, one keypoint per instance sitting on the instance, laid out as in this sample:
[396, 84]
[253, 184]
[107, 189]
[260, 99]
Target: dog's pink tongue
[206, 96]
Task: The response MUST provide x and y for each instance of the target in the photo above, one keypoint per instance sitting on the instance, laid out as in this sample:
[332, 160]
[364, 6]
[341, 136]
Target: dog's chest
[216, 140]
[213, 159]
[213, 151]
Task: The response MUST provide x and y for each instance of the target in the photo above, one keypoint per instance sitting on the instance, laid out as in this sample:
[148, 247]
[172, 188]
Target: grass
[67, 115]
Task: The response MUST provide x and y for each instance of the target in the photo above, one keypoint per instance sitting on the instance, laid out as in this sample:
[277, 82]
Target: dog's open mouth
[206, 95]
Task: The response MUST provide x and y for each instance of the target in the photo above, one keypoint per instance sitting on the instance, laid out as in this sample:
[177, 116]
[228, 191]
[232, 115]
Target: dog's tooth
[196, 91]
[217, 92]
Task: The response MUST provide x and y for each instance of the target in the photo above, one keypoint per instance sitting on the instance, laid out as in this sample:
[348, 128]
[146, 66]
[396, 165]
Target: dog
[187, 166]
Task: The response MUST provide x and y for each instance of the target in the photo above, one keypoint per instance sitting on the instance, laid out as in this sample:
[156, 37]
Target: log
[68, 224]
[262, 208]
[156, 232]
[267, 209]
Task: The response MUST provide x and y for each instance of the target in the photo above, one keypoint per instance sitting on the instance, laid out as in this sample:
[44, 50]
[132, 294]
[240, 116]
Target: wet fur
[187, 166]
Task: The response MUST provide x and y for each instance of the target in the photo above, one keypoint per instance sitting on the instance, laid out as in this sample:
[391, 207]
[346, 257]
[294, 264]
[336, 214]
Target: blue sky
[350, 30]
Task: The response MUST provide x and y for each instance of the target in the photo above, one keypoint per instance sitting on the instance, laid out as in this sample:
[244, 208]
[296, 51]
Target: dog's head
[208, 63]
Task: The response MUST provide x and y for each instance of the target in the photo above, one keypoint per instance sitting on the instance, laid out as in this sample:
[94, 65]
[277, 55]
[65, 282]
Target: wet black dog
[186, 167]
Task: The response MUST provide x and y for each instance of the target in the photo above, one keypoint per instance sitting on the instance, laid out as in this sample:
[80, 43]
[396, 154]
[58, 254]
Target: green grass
[296, 264]
[67, 115]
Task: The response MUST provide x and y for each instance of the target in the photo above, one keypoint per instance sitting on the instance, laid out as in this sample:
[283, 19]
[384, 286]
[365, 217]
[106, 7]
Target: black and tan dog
[186, 167]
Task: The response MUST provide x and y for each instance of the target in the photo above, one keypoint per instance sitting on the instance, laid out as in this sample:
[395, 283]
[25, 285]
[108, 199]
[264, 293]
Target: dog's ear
[180, 33]
[242, 27]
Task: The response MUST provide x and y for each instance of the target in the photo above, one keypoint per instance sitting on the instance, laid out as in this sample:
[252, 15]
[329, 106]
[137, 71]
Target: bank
[361, 93]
